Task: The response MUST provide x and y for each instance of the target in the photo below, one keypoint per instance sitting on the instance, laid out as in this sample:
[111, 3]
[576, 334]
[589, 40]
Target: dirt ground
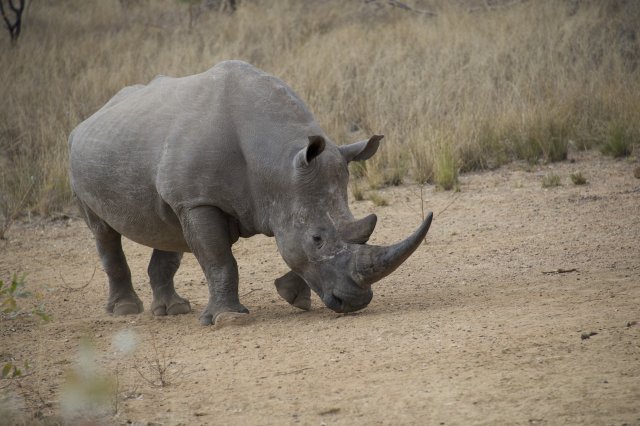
[477, 327]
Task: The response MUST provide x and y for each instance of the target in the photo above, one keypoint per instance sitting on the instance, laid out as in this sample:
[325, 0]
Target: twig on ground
[453, 199]
[69, 288]
[560, 271]
[285, 373]
[249, 292]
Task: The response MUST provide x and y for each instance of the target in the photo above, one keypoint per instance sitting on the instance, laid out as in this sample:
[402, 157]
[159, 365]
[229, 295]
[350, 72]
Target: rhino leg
[123, 299]
[162, 268]
[294, 290]
[206, 230]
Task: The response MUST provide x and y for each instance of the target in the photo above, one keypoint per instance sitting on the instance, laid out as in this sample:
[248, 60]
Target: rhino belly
[125, 197]
[146, 220]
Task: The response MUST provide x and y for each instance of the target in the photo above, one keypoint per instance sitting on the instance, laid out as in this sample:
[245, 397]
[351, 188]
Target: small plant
[578, 179]
[9, 293]
[158, 368]
[125, 342]
[378, 199]
[29, 410]
[422, 209]
[12, 371]
[550, 180]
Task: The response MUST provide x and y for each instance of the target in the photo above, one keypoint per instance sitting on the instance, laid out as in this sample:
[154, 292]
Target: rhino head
[319, 238]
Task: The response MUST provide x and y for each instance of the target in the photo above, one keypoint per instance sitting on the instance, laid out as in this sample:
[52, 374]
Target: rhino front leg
[294, 290]
[162, 268]
[206, 230]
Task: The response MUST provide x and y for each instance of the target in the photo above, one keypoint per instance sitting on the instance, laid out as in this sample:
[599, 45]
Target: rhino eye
[317, 238]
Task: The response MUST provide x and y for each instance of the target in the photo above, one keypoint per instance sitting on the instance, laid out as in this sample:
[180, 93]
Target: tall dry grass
[456, 92]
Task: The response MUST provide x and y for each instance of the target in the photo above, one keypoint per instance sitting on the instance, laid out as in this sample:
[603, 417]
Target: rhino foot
[171, 305]
[128, 305]
[211, 314]
[294, 290]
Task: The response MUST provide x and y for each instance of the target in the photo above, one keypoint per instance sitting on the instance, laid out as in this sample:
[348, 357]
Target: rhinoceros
[191, 164]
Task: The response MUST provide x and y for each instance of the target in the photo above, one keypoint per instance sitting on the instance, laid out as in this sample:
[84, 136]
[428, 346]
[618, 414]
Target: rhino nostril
[338, 301]
[334, 303]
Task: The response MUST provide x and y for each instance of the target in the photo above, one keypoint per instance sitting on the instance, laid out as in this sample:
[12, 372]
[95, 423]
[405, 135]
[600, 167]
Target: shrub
[578, 179]
[550, 180]
[620, 141]
[9, 295]
[446, 174]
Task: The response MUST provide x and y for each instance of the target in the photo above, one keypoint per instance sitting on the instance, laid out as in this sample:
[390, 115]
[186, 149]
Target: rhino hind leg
[294, 290]
[123, 299]
[162, 268]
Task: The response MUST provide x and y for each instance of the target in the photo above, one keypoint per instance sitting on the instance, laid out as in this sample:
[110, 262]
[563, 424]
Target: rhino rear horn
[372, 263]
[359, 231]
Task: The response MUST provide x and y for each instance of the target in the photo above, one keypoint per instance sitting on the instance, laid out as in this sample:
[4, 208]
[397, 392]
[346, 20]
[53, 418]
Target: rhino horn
[372, 263]
[359, 231]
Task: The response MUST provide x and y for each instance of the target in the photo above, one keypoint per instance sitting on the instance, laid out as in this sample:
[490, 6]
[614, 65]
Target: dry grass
[357, 190]
[578, 179]
[551, 180]
[455, 92]
[377, 199]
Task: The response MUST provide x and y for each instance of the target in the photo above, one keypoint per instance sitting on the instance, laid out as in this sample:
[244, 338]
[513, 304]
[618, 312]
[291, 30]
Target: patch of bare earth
[485, 324]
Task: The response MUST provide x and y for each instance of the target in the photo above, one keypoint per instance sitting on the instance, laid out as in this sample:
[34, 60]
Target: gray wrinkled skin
[191, 164]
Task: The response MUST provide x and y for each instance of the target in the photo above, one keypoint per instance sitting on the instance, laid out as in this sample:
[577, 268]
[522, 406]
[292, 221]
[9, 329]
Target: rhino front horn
[372, 263]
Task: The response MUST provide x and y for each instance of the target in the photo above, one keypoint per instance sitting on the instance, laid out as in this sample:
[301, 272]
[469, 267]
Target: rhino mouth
[342, 303]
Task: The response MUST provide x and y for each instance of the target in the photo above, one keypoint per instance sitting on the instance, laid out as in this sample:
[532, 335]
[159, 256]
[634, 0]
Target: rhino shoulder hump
[122, 94]
[235, 66]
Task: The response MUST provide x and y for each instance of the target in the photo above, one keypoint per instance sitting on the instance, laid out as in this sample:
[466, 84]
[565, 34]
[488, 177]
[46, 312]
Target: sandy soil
[475, 328]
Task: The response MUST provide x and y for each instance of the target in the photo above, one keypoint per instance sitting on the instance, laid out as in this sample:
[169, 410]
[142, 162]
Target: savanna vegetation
[468, 85]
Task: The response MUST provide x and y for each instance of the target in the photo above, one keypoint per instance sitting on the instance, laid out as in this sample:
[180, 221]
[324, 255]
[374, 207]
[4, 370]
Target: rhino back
[214, 138]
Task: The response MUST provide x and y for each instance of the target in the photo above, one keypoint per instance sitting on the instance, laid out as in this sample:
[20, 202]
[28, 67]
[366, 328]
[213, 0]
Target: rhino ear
[360, 151]
[306, 155]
